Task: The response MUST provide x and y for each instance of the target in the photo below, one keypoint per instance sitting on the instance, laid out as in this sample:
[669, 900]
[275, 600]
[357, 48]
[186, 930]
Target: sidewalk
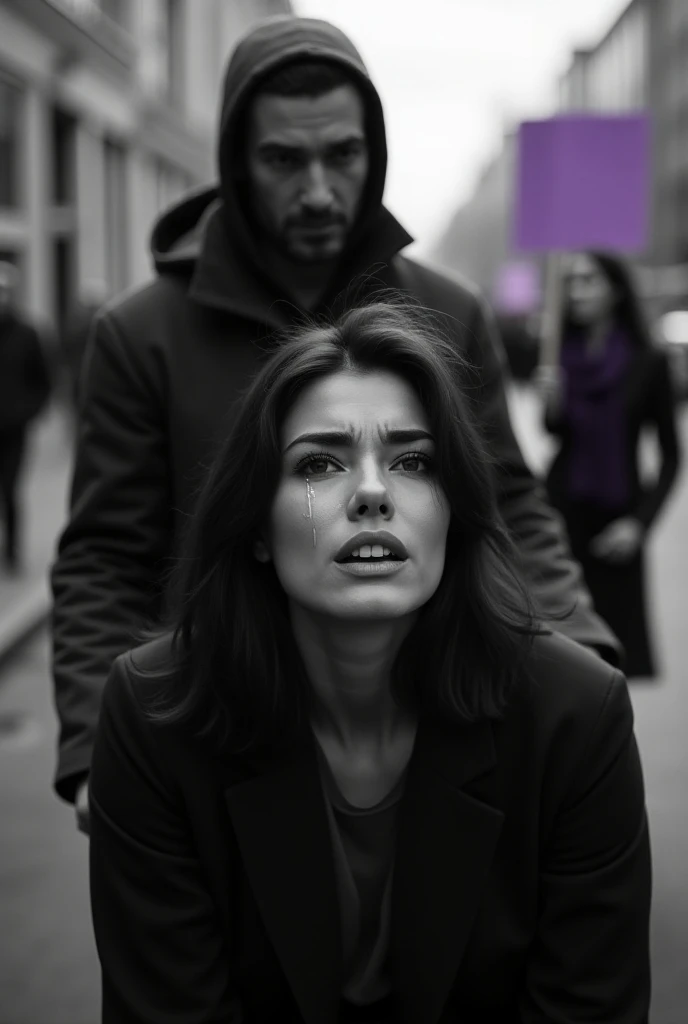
[25, 600]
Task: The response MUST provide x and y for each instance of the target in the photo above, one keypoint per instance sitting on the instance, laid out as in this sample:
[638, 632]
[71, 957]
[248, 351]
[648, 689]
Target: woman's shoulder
[137, 675]
[129, 744]
[575, 728]
[570, 682]
[156, 657]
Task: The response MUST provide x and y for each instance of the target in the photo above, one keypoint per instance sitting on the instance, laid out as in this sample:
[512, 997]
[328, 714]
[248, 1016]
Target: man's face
[307, 168]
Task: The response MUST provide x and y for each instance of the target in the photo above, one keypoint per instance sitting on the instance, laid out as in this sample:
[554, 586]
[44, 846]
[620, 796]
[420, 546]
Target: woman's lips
[371, 567]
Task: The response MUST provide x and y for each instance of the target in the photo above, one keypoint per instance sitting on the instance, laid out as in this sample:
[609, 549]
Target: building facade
[641, 63]
[107, 114]
[669, 103]
[614, 75]
[477, 242]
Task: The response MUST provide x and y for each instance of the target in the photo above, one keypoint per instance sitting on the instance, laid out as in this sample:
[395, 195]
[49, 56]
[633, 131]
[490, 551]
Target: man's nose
[317, 192]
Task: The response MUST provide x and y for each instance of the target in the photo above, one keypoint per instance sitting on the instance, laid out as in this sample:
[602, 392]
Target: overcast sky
[450, 73]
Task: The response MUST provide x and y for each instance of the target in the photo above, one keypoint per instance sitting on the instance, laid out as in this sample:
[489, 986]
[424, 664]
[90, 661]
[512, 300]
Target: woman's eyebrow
[407, 436]
[346, 439]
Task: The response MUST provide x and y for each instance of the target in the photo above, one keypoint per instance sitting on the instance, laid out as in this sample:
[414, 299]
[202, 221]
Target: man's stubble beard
[281, 245]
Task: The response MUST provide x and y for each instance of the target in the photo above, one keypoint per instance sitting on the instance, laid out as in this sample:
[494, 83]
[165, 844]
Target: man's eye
[282, 161]
[345, 154]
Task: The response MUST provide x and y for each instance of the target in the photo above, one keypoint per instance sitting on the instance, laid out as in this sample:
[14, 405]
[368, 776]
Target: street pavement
[48, 965]
[25, 598]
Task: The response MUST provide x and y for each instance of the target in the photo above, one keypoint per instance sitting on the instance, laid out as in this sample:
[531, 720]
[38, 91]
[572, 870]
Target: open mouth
[372, 553]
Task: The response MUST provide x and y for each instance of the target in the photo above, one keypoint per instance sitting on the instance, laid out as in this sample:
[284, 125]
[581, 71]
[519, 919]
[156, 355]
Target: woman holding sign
[614, 384]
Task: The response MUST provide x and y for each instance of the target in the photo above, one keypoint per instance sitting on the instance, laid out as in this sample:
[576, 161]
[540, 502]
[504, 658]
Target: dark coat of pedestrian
[354, 778]
[167, 364]
[24, 391]
[616, 387]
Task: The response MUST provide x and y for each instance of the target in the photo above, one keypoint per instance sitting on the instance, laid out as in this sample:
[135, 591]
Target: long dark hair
[628, 312]
[238, 678]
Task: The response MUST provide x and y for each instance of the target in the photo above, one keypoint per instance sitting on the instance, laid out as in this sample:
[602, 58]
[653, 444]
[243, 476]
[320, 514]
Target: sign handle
[550, 335]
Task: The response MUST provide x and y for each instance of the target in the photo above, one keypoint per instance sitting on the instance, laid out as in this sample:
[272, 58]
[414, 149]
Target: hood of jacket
[210, 235]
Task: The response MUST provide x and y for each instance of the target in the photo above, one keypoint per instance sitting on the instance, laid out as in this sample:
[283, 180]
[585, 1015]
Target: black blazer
[522, 878]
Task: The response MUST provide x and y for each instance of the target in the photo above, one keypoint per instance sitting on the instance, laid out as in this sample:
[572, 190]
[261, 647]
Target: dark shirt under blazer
[521, 883]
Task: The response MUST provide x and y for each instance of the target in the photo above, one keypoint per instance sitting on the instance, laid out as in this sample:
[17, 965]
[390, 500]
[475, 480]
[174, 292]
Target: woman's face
[358, 527]
[589, 295]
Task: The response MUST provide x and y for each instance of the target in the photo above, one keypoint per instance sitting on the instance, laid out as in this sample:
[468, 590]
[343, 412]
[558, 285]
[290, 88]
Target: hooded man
[297, 220]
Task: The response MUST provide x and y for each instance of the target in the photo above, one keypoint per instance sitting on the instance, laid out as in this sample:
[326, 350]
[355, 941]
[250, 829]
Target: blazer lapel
[446, 842]
[280, 821]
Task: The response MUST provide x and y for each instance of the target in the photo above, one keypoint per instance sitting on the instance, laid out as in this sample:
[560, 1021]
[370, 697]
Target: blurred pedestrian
[93, 294]
[24, 392]
[383, 792]
[614, 384]
[296, 225]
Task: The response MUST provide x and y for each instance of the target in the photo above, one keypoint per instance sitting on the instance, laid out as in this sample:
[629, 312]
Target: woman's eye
[414, 463]
[316, 466]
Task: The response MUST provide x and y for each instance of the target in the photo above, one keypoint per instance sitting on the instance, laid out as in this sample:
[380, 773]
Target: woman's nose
[371, 498]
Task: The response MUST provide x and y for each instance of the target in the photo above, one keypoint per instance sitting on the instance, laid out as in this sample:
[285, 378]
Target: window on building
[14, 257]
[116, 235]
[64, 280]
[64, 140]
[174, 34]
[11, 99]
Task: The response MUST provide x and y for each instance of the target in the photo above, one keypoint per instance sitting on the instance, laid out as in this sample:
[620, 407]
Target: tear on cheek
[310, 496]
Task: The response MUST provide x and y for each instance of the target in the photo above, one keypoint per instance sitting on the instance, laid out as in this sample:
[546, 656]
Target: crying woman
[358, 778]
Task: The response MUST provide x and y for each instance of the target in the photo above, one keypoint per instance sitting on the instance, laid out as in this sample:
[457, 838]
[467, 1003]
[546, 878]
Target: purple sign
[583, 182]
[517, 288]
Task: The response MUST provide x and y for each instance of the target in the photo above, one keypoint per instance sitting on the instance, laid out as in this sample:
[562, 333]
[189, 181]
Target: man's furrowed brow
[275, 146]
[347, 140]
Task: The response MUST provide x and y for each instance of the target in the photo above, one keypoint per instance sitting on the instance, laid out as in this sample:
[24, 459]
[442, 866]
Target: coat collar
[446, 841]
[226, 278]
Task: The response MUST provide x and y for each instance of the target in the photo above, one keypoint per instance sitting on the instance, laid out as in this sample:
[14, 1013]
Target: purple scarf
[595, 411]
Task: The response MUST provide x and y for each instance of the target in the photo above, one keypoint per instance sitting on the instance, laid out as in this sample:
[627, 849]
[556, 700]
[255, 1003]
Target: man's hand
[619, 541]
[81, 807]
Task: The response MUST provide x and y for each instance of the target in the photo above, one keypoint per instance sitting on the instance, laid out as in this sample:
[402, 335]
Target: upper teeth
[370, 551]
